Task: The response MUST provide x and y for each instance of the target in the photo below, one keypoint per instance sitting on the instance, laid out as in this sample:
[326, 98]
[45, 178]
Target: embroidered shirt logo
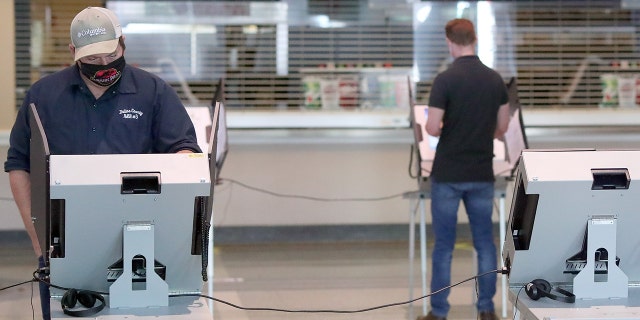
[130, 113]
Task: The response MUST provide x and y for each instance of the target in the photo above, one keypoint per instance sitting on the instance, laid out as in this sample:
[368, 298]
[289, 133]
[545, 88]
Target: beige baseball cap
[95, 30]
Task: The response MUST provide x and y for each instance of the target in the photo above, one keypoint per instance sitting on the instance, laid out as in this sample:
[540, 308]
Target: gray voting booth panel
[556, 193]
[96, 210]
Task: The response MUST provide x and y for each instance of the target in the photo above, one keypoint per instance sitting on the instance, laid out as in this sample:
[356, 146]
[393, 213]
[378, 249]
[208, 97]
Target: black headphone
[539, 288]
[86, 298]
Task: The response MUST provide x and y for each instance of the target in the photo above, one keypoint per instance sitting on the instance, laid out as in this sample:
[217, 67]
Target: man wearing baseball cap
[98, 105]
[95, 30]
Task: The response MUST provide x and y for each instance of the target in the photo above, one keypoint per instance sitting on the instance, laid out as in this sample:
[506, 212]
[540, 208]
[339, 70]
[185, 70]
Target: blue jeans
[45, 299]
[478, 201]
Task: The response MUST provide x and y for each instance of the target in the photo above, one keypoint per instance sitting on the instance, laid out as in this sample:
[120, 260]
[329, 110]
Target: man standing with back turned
[468, 108]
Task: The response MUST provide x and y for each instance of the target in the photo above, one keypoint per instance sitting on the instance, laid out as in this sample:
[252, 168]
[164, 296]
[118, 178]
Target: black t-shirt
[470, 94]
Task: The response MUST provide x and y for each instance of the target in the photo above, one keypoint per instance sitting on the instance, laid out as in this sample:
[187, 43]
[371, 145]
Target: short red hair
[460, 32]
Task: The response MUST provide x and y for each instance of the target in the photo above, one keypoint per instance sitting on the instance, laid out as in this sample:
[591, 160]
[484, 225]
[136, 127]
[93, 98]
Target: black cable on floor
[501, 271]
[339, 311]
[18, 284]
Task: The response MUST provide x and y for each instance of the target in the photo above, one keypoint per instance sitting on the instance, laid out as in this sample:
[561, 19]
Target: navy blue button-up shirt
[140, 114]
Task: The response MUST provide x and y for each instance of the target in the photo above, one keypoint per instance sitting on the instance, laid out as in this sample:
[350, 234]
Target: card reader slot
[140, 182]
[610, 179]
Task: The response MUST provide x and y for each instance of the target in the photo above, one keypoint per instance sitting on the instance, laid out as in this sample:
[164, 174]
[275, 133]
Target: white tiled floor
[323, 276]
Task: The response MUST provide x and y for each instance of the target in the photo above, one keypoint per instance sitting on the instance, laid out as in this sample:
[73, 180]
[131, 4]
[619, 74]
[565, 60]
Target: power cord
[204, 230]
[18, 284]
[33, 310]
[515, 305]
[395, 304]
[283, 195]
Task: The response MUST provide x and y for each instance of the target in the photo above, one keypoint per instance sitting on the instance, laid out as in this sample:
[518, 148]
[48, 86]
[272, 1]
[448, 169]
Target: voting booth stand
[129, 229]
[572, 244]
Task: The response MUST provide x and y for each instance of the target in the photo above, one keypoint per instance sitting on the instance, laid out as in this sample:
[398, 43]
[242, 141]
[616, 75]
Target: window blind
[347, 54]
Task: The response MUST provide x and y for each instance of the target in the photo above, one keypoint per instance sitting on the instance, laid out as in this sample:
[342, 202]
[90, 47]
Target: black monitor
[218, 101]
[515, 139]
[39, 174]
[203, 118]
[219, 118]
[219, 95]
[516, 107]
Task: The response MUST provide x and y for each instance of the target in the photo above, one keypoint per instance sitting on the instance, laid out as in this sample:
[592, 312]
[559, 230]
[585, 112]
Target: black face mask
[104, 75]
